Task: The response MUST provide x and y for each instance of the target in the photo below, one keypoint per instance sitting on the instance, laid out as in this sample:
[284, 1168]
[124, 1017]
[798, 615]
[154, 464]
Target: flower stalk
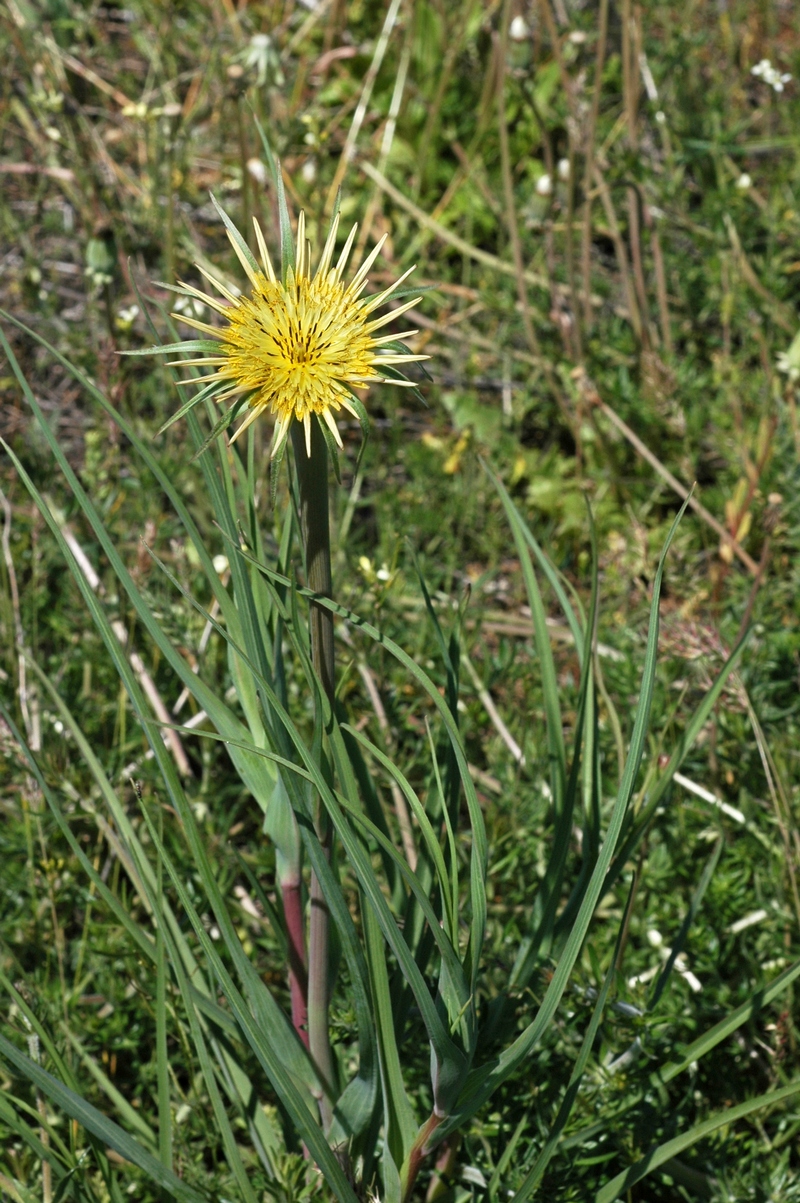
[312, 476]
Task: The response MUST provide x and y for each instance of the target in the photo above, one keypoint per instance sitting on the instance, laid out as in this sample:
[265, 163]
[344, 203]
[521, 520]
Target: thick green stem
[312, 476]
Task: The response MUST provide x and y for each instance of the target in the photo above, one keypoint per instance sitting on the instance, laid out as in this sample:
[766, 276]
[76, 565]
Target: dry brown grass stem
[398, 801]
[171, 737]
[586, 238]
[676, 485]
[348, 150]
[621, 253]
[661, 283]
[508, 182]
[28, 702]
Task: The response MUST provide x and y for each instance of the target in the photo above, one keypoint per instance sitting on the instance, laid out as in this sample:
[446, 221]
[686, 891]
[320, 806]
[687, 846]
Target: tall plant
[408, 936]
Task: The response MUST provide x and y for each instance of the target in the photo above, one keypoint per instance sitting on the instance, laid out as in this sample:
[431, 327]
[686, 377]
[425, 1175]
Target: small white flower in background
[126, 317]
[789, 361]
[220, 565]
[661, 117]
[260, 56]
[137, 109]
[770, 75]
[518, 30]
[744, 182]
[191, 306]
[309, 171]
[563, 169]
[257, 170]
[544, 185]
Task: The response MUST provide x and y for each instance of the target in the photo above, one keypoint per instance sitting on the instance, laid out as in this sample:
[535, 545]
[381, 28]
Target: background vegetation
[605, 200]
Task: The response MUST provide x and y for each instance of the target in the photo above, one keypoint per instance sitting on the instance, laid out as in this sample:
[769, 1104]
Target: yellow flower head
[299, 347]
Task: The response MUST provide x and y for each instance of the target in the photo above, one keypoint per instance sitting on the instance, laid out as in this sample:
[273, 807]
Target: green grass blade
[184, 409]
[223, 1123]
[9, 1114]
[684, 745]
[133, 1119]
[662, 1153]
[553, 578]
[257, 1028]
[162, 1057]
[236, 236]
[230, 415]
[550, 691]
[543, 916]
[483, 1082]
[133, 929]
[401, 1128]
[336, 805]
[536, 1173]
[479, 855]
[729, 1024]
[268, 1009]
[98, 1124]
[429, 839]
[691, 914]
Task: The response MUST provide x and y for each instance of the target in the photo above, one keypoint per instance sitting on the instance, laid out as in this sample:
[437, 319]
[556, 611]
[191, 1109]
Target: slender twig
[508, 182]
[399, 802]
[619, 248]
[492, 711]
[387, 140]
[635, 242]
[27, 699]
[661, 280]
[586, 242]
[680, 489]
[445, 235]
[171, 738]
[348, 150]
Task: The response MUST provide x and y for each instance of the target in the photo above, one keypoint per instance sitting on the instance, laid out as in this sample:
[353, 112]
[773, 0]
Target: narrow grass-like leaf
[185, 345]
[430, 841]
[422, 678]
[685, 743]
[162, 1056]
[553, 578]
[543, 915]
[672, 1148]
[270, 1015]
[236, 236]
[729, 1024]
[691, 914]
[98, 1124]
[261, 1040]
[694, 1051]
[400, 1124]
[231, 413]
[133, 1119]
[482, 1083]
[536, 1173]
[10, 1107]
[444, 1047]
[544, 650]
[208, 391]
[287, 241]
